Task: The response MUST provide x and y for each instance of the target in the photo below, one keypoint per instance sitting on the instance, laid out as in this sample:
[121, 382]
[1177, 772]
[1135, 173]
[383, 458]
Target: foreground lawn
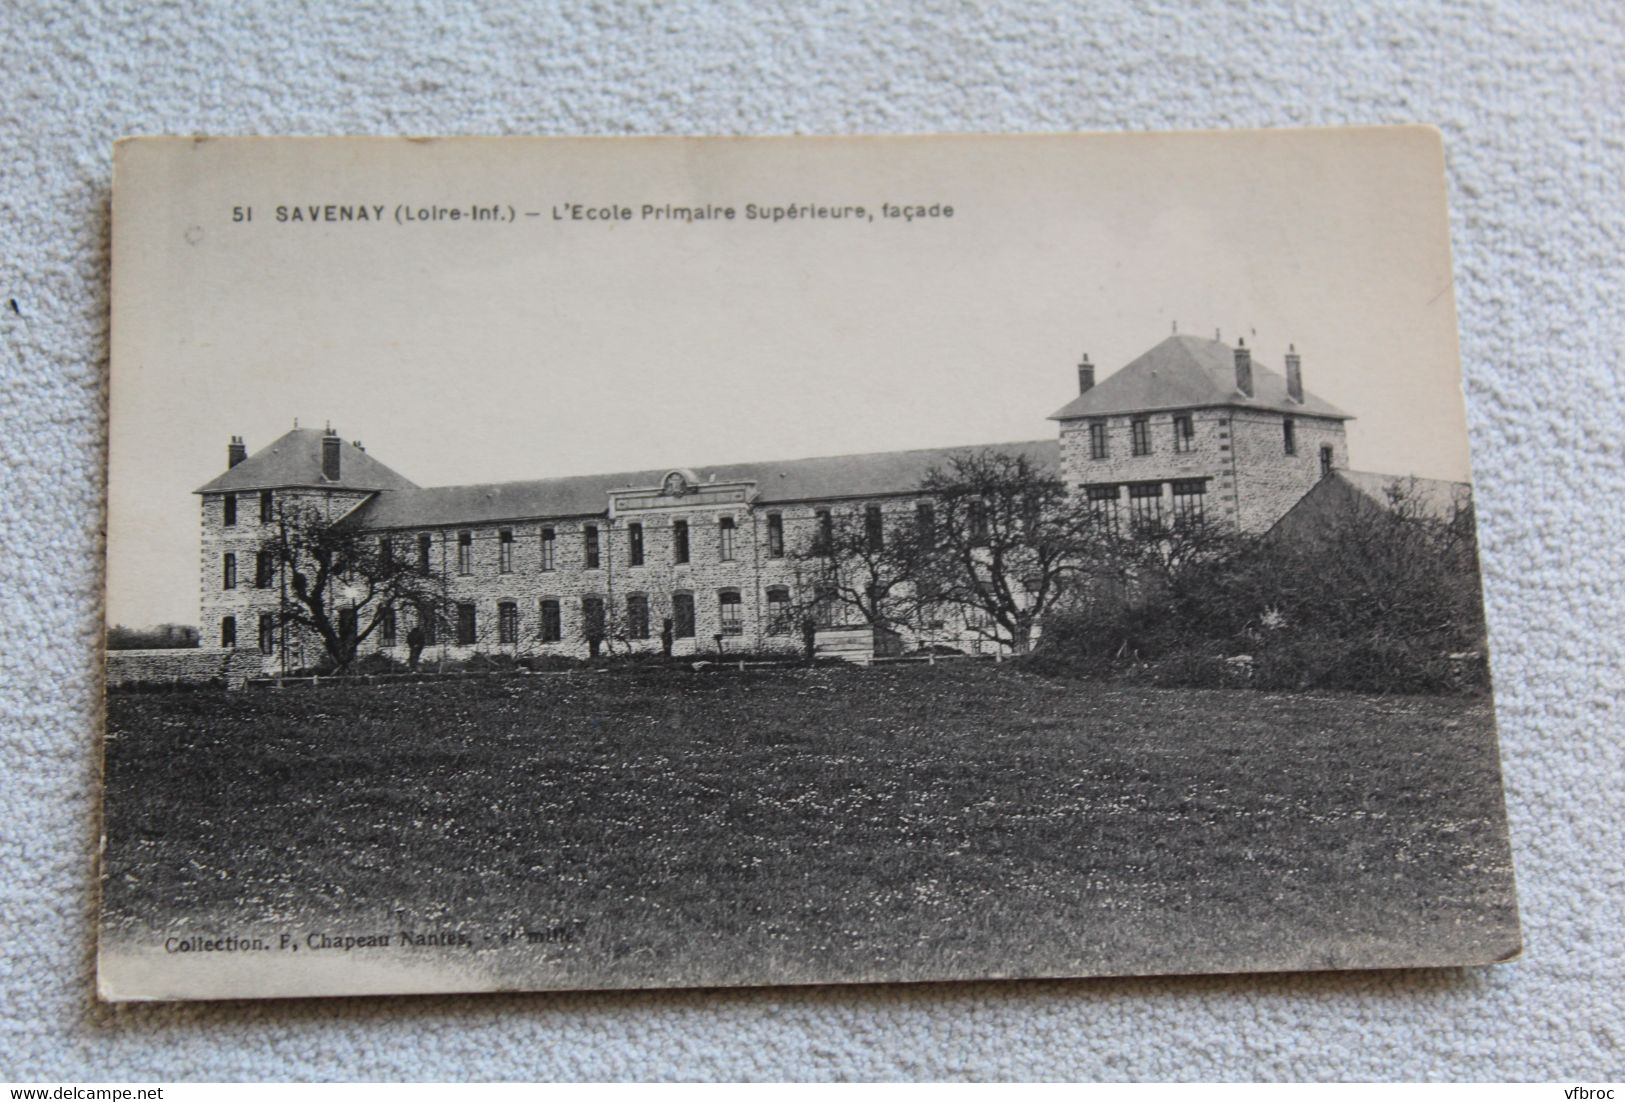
[826, 824]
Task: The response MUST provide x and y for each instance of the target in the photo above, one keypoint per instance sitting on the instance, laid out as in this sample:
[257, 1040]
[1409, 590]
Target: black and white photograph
[542, 564]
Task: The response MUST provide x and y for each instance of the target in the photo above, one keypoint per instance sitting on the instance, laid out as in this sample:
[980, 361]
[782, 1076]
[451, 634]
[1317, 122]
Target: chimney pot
[1294, 374]
[1244, 368]
[236, 452]
[1086, 375]
[331, 444]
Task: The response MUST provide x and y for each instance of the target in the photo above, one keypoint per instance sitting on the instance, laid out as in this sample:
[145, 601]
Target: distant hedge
[1378, 599]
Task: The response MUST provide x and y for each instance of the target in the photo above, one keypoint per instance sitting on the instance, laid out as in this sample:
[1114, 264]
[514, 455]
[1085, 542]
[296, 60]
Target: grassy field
[806, 825]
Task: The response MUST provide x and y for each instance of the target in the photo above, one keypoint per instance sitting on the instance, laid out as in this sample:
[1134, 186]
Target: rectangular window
[1103, 506]
[925, 524]
[679, 541]
[265, 507]
[228, 578]
[264, 569]
[552, 623]
[725, 540]
[507, 623]
[592, 617]
[229, 505]
[347, 623]
[465, 552]
[775, 536]
[1184, 432]
[682, 615]
[976, 516]
[731, 612]
[778, 611]
[425, 553]
[826, 605]
[824, 534]
[228, 631]
[589, 546]
[386, 627]
[267, 633]
[634, 544]
[1097, 440]
[1141, 427]
[1327, 460]
[1145, 506]
[549, 543]
[466, 626]
[1289, 436]
[505, 551]
[874, 528]
[1188, 494]
[637, 616]
[430, 625]
[386, 552]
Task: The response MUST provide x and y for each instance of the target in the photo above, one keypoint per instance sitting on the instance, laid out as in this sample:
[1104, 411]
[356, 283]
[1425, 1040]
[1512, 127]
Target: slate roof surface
[826, 478]
[294, 459]
[1434, 497]
[1184, 372]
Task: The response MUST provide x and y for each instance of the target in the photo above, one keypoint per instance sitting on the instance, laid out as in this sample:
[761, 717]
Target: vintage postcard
[606, 563]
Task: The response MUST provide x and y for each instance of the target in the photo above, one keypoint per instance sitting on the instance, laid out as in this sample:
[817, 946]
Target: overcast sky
[463, 351]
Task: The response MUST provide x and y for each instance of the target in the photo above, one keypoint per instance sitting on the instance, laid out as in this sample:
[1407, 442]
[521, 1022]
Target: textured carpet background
[1530, 100]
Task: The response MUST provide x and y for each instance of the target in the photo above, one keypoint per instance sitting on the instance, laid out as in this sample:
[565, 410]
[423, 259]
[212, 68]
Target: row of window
[1145, 503]
[267, 639]
[264, 570]
[229, 507]
[594, 621]
[1184, 436]
[681, 546]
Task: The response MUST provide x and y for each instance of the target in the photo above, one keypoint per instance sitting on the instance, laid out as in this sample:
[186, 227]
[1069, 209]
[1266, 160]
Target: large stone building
[1191, 429]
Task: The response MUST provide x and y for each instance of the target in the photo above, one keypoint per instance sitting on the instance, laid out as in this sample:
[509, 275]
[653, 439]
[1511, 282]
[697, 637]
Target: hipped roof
[1184, 372]
[294, 461]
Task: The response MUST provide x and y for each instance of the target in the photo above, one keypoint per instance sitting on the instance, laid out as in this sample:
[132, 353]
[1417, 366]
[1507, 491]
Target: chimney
[1294, 374]
[330, 455]
[236, 452]
[1086, 375]
[1244, 368]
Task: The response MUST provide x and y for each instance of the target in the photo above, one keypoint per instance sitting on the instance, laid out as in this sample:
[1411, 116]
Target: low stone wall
[232, 666]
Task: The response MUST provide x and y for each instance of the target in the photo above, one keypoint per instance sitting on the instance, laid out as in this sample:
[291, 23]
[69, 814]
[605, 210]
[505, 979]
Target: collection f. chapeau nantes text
[323, 941]
[406, 214]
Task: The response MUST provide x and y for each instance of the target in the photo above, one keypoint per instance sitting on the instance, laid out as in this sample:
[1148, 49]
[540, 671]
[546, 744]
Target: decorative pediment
[681, 489]
[678, 483]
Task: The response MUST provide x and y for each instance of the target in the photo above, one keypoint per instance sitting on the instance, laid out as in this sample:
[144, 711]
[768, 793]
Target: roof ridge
[1041, 441]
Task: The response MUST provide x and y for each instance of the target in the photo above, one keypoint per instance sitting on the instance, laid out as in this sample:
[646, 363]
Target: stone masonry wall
[189, 666]
[1268, 480]
[1251, 481]
[752, 571]
[1209, 458]
[246, 601]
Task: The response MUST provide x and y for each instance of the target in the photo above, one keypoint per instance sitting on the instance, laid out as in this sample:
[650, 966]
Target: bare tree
[864, 561]
[1007, 544]
[340, 583]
